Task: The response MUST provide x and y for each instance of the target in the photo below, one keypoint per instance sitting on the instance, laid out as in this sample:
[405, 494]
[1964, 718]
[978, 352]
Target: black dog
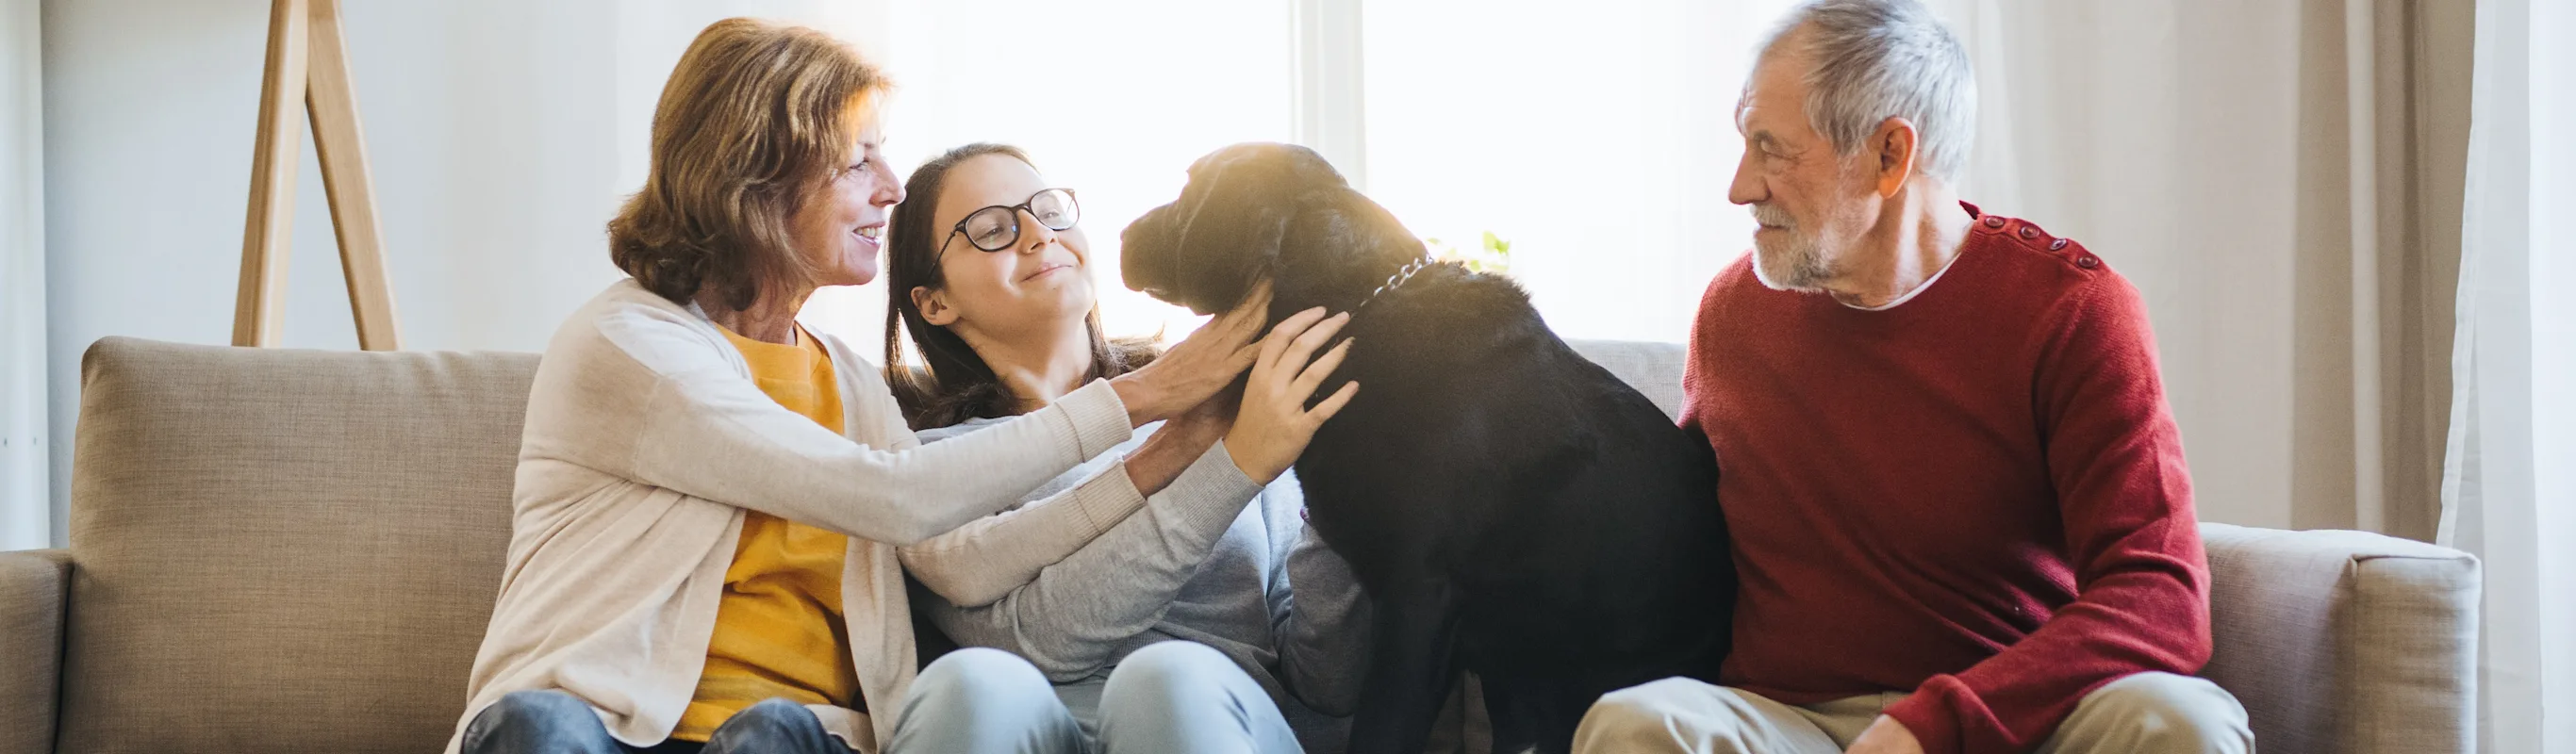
[1511, 507]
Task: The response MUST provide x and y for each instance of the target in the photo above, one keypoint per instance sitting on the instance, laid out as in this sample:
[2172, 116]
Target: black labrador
[1511, 507]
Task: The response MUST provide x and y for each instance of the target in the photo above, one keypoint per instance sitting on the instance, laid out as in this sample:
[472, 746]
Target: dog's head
[1264, 211]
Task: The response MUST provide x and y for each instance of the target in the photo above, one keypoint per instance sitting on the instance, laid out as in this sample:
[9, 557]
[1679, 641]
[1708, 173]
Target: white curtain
[2509, 484]
[25, 508]
[2281, 180]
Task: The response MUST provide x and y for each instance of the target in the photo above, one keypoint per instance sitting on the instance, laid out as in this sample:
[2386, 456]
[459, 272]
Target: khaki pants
[2149, 713]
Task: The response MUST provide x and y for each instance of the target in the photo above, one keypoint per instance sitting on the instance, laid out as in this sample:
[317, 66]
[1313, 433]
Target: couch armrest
[2343, 641]
[33, 587]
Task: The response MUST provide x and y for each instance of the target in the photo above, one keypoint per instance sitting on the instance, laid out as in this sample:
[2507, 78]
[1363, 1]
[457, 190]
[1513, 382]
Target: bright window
[1113, 98]
[1597, 138]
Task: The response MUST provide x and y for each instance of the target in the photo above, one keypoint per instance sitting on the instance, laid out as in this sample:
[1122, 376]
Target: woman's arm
[1072, 614]
[984, 560]
[1077, 611]
[1269, 421]
[642, 393]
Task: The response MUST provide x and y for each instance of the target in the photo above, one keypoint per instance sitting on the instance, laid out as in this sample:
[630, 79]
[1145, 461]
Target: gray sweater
[1197, 563]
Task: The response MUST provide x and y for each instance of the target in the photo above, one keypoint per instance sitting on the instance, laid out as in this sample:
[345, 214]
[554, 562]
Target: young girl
[1175, 629]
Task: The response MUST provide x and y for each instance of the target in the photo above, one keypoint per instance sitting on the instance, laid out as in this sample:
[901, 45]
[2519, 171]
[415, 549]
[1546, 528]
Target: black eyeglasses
[997, 227]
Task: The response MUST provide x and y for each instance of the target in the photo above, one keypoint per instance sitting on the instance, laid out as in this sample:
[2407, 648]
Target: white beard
[1796, 264]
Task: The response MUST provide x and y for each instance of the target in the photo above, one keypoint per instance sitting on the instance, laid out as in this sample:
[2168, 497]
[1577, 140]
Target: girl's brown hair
[953, 383]
[756, 116]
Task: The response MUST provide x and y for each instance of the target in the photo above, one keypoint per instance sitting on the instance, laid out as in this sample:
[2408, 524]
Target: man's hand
[1885, 736]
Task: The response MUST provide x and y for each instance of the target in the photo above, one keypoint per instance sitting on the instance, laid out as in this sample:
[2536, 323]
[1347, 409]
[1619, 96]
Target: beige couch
[276, 550]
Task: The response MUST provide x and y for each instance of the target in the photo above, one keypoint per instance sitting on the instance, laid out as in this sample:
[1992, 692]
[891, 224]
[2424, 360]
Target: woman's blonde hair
[755, 118]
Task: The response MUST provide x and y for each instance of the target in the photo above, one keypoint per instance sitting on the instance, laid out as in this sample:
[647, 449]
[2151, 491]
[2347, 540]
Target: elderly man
[1958, 499]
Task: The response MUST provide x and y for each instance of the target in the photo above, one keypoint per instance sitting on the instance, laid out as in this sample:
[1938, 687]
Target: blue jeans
[554, 722]
[1174, 696]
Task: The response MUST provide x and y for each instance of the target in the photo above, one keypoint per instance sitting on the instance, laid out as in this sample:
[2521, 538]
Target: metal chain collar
[1395, 280]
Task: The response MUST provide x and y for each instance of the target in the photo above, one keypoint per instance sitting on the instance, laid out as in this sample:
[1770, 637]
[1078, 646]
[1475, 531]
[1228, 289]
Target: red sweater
[1977, 496]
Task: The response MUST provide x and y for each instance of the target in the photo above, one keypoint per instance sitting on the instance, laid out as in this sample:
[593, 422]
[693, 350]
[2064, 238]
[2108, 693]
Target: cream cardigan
[645, 442]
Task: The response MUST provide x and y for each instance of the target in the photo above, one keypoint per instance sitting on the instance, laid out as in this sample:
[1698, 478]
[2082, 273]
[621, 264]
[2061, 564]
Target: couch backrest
[1652, 368]
[283, 550]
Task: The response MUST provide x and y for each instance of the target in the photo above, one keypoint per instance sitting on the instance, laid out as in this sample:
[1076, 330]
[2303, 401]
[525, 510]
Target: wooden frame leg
[337, 140]
[308, 61]
[272, 179]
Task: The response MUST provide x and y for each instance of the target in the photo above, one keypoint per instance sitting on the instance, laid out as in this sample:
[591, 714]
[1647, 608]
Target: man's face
[1812, 204]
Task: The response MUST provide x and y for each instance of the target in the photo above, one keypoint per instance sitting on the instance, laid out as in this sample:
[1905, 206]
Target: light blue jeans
[1175, 696]
[550, 721]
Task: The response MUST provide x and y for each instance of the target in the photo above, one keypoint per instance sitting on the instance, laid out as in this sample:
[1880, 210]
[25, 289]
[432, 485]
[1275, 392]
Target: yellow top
[779, 631]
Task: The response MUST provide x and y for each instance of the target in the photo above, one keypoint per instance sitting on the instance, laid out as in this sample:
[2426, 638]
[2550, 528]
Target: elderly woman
[709, 497]
[1176, 630]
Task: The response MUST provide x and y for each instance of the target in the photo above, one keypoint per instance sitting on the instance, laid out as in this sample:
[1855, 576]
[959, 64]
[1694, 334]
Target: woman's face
[839, 227]
[1038, 285]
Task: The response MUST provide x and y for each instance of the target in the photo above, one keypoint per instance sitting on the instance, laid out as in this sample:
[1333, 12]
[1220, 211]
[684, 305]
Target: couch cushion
[2344, 641]
[1652, 368]
[283, 550]
[31, 637]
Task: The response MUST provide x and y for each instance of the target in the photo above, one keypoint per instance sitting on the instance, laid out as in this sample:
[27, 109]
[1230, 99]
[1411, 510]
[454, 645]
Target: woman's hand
[1181, 441]
[1213, 417]
[1198, 366]
[1273, 426]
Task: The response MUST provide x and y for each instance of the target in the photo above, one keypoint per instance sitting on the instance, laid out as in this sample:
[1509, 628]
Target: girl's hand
[1198, 366]
[1274, 425]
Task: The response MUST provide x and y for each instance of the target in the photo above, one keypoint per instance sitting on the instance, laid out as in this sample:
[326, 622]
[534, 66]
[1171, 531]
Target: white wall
[502, 136]
[24, 501]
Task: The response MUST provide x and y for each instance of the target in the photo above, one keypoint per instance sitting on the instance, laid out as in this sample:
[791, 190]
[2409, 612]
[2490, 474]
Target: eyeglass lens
[996, 228]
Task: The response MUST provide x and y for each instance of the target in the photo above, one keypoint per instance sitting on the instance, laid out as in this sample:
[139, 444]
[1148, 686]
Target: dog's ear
[1341, 247]
[1207, 249]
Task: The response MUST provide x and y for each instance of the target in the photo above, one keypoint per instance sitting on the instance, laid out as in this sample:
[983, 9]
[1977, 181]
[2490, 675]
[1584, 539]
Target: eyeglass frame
[1016, 209]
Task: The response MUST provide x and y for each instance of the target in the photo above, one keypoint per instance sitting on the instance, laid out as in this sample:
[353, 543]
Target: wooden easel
[308, 59]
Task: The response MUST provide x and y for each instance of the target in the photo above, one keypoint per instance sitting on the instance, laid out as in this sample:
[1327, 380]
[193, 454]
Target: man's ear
[1897, 146]
[934, 306]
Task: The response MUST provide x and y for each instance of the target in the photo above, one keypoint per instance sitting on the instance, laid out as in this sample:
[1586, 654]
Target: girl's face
[1035, 286]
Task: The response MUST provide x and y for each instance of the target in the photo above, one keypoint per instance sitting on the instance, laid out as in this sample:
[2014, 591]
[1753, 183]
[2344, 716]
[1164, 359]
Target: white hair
[1878, 59]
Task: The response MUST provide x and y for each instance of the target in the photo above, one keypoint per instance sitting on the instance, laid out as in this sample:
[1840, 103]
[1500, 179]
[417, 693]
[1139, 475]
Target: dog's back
[1577, 524]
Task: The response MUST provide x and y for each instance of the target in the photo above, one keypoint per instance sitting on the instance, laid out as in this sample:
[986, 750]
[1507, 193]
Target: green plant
[1493, 255]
